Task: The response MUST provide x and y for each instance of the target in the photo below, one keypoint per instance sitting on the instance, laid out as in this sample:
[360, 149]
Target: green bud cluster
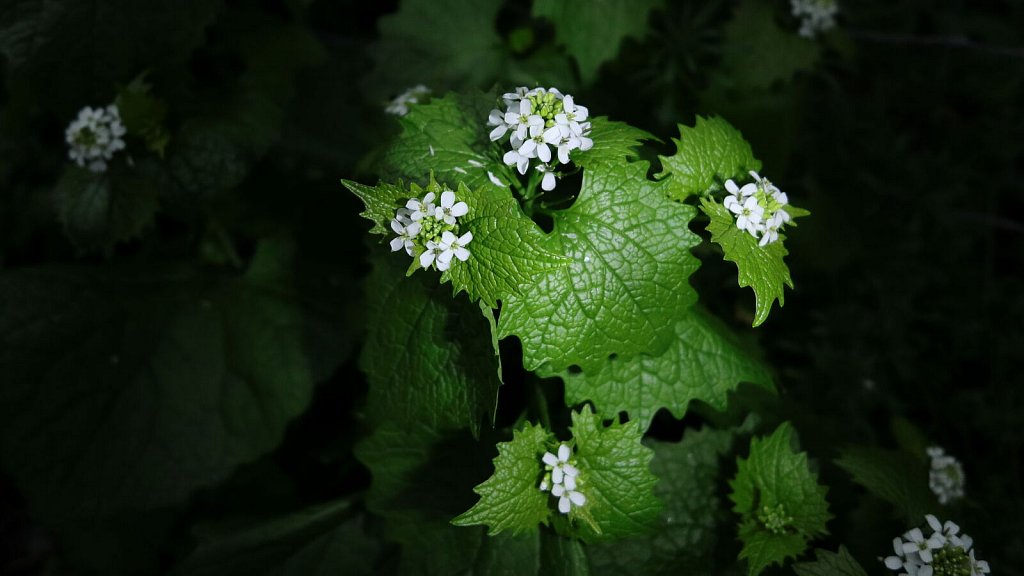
[547, 106]
[951, 561]
[432, 228]
[774, 518]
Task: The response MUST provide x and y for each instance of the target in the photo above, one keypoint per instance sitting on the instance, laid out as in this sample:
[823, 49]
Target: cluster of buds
[815, 15]
[430, 232]
[562, 479]
[542, 125]
[94, 136]
[758, 207]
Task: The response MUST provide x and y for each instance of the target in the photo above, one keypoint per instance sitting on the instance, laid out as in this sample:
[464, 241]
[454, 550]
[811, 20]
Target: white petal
[569, 482]
[443, 265]
[581, 113]
[544, 153]
[563, 154]
[549, 459]
[731, 186]
[447, 238]
[891, 562]
[465, 238]
[543, 486]
[397, 226]
[563, 505]
[577, 498]
[564, 452]
[447, 199]
[511, 118]
[510, 158]
[397, 244]
[523, 164]
[528, 149]
[525, 107]
[570, 470]
[748, 189]
[498, 132]
[460, 209]
[461, 253]
[557, 489]
[567, 103]
[933, 522]
[548, 183]
[586, 143]
[553, 135]
[429, 198]
[427, 258]
[557, 474]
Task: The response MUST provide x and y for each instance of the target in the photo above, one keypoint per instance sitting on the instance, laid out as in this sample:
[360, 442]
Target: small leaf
[613, 143]
[615, 477]
[143, 114]
[830, 564]
[760, 267]
[779, 499]
[897, 477]
[706, 155]
[511, 499]
[627, 284]
[705, 362]
[593, 30]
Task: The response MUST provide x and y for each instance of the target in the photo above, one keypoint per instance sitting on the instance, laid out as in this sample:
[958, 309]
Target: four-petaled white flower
[562, 479]
[449, 209]
[548, 181]
[453, 246]
[946, 552]
[418, 209]
[407, 231]
[94, 136]
[540, 124]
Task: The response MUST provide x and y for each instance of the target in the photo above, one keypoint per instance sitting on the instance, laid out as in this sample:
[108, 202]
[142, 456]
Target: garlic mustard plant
[945, 552]
[945, 476]
[542, 124]
[94, 136]
[815, 15]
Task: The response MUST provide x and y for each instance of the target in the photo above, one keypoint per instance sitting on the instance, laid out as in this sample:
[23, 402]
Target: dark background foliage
[177, 350]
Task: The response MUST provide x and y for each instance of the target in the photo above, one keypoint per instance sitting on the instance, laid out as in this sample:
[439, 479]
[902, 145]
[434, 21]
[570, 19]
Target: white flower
[433, 250]
[406, 230]
[420, 208]
[946, 476]
[536, 147]
[978, 567]
[94, 136]
[514, 158]
[523, 120]
[453, 246]
[768, 218]
[748, 215]
[449, 209]
[916, 542]
[815, 15]
[400, 105]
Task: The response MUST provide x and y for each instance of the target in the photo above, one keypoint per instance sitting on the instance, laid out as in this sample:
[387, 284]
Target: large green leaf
[705, 362]
[779, 499]
[757, 52]
[430, 360]
[760, 267]
[593, 30]
[897, 477]
[99, 210]
[510, 498]
[616, 478]
[687, 530]
[444, 44]
[323, 540]
[129, 388]
[447, 137]
[626, 286]
[706, 156]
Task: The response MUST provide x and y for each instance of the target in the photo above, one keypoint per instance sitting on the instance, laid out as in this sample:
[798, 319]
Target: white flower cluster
[947, 552]
[758, 207]
[562, 478]
[536, 122]
[429, 232]
[400, 105]
[946, 476]
[94, 136]
[815, 15]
